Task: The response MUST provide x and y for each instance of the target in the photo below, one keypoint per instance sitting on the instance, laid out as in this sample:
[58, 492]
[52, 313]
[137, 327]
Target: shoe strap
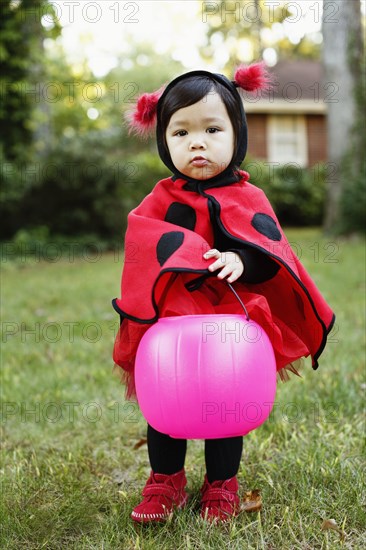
[159, 489]
[218, 494]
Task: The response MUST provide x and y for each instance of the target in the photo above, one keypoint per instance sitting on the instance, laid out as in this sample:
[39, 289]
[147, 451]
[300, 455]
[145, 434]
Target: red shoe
[220, 499]
[162, 494]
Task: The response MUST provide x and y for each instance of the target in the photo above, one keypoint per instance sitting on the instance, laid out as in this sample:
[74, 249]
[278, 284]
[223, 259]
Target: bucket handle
[196, 283]
[240, 300]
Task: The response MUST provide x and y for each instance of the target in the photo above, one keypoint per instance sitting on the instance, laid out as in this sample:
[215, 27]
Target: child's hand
[230, 262]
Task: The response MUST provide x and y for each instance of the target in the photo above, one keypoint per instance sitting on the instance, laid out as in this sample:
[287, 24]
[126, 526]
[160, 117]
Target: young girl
[203, 224]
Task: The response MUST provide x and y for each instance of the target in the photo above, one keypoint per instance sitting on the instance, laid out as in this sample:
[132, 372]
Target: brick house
[289, 124]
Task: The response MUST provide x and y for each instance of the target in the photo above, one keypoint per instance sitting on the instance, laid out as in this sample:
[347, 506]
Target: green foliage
[13, 186]
[80, 175]
[88, 191]
[22, 61]
[77, 191]
[346, 206]
[353, 204]
[83, 175]
[353, 166]
[296, 194]
[38, 244]
[81, 188]
[23, 69]
[229, 22]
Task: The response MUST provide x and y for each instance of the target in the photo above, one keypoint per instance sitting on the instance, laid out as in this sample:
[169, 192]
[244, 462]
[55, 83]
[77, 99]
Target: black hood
[230, 173]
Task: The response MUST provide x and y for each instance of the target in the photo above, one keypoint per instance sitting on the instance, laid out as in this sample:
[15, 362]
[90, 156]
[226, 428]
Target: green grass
[69, 473]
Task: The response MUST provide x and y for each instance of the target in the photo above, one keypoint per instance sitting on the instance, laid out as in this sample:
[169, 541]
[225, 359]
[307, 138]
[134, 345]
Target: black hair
[192, 89]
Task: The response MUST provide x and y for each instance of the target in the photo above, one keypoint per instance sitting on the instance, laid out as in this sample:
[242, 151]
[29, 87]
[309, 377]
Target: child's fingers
[212, 252]
[216, 265]
[223, 273]
[226, 260]
[227, 270]
[233, 277]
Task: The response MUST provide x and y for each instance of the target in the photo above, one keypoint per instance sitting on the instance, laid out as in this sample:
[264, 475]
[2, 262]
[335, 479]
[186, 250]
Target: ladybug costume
[167, 234]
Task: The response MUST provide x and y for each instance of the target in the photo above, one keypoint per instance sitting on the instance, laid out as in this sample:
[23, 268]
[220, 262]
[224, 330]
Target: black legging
[167, 455]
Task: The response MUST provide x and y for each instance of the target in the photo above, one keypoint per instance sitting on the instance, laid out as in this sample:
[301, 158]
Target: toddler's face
[200, 138]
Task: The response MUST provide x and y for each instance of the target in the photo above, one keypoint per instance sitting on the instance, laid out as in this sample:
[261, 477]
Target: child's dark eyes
[210, 130]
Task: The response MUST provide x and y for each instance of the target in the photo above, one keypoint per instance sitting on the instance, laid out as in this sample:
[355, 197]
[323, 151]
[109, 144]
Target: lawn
[69, 471]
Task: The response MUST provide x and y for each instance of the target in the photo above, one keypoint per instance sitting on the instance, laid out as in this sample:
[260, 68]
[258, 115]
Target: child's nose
[197, 143]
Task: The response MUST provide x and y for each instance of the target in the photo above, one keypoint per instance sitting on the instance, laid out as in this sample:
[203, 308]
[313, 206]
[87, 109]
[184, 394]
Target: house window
[287, 141]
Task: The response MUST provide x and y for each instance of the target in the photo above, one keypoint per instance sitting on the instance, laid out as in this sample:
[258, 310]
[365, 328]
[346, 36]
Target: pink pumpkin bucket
[205, 376]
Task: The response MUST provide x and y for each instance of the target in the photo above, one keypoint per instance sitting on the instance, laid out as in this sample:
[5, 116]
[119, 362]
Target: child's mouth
[199, 161]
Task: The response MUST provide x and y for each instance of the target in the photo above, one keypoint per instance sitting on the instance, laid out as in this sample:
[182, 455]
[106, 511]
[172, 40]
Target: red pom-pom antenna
[253, 77]
[142, 119]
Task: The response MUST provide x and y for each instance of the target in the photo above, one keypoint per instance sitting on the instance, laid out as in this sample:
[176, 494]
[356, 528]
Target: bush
[353, 173]
[296, 194]
[78, 190]
[37, 243]
[12, 191]
[353, 206]
[87, 187]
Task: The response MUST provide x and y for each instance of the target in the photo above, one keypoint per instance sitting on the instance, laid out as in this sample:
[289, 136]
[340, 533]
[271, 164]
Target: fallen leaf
[118, 477]
[332, 524]
[139, 444]
[252, 501]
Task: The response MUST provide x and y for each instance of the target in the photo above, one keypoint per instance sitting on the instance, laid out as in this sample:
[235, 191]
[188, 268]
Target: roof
[296, 76]
[297, 87]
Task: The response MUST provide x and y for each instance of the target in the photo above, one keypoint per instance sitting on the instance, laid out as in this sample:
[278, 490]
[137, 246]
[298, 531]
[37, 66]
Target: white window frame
[279, 132]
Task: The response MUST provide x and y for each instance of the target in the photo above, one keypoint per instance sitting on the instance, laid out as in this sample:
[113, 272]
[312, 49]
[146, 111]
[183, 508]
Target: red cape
[162, 258]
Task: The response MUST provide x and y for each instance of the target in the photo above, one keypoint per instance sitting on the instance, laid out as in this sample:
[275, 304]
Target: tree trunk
[342, 50]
